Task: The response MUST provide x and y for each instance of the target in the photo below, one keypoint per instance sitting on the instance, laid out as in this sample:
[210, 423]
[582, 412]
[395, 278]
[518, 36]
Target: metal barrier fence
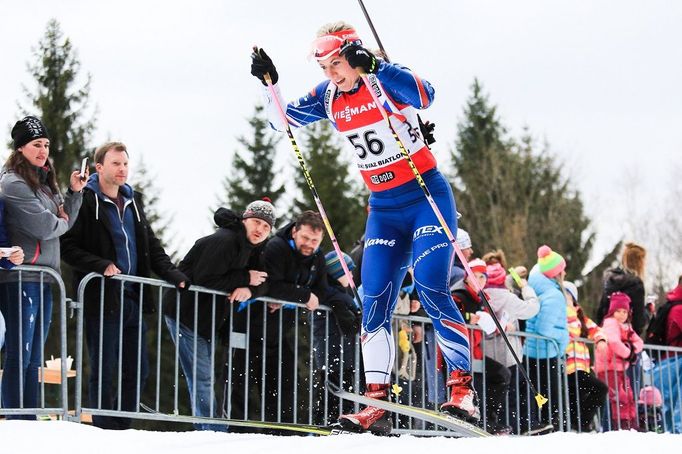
[271, 363]
[24, 376]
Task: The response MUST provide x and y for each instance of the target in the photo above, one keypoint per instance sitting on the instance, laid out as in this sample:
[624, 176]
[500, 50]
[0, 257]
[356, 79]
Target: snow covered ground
[69, 438]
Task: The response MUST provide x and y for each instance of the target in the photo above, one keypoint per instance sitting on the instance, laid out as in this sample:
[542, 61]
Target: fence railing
[25, 375]
[207, 362]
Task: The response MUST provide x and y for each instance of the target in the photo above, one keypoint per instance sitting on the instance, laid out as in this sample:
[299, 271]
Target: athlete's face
[340, 73]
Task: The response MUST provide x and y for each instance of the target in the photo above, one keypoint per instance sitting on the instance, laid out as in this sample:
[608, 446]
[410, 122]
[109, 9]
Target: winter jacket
[673, 333]
[622, 340]
[4, 239]
[33, 223]
[619, 280]
[509, 309]
[578, 353]
[220, 261]
[90, 246]
[291, 275]
[469, 302]
[550, 321]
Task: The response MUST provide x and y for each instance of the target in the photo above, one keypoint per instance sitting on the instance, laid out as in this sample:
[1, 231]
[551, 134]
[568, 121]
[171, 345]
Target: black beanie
[28, 129]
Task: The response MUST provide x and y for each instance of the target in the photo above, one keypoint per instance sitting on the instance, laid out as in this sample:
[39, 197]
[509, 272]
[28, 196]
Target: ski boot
[370, 419]
[463, 401]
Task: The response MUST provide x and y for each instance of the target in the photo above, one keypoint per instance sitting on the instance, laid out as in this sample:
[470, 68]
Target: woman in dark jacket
[628, 278]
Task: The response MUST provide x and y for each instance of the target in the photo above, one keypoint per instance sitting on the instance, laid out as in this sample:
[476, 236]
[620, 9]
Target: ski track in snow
[30, 437]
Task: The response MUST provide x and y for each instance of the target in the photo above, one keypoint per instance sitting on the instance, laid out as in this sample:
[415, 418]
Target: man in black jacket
[296, 273]
[112, 236]
[229, 261]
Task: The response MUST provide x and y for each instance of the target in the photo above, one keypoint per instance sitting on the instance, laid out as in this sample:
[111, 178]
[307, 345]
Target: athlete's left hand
[360, 58]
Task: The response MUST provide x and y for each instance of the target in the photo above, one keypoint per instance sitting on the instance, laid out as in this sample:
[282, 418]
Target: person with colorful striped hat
[547, 279]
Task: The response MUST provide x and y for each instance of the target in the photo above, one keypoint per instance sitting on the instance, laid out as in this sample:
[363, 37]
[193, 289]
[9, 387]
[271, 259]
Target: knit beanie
[551, 264]
[618, 300]
[478, 266]
[28, 129]
[496, 274]
[261, 209]
[334, 268]
[463, 239]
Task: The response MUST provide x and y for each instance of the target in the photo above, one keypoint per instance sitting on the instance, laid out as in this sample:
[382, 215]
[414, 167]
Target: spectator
[494, 384]
[668, 372]
[508, 309]
[296, 272]
[228, 260]
[585, 390]
[624, 344]
[36, 215]
[112, 236]
[627, 278]
[547, 278]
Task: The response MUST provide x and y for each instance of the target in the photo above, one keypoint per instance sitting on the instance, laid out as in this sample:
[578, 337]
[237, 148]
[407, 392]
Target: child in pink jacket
[611, 363]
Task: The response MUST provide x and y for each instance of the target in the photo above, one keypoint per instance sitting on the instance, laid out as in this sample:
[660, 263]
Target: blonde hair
[333, 27]
[633, 259]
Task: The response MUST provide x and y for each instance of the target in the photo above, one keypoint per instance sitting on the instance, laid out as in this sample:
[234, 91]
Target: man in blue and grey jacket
[112, 236]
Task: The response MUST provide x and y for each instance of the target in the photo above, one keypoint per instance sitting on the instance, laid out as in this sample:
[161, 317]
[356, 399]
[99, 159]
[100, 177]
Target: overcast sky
[599, 80]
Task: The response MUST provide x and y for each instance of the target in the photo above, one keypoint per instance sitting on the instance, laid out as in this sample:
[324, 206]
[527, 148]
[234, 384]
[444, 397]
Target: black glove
[427, 130]
[261, 65]
[348, 317]
[359, 57]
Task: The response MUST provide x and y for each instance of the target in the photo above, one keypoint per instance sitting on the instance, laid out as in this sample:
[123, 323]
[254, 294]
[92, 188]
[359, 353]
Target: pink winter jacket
[616, 356]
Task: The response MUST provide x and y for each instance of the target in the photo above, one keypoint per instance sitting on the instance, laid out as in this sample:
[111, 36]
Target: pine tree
[344, 200]
[253, 171]
[143, 182]
[513, 196]
[59, 101]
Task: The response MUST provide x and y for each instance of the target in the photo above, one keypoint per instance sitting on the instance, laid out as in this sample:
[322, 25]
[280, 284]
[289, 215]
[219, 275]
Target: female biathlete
[401, 226]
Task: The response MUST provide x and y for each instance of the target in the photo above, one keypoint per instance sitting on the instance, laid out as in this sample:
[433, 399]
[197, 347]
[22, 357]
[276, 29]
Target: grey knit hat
[261, 209]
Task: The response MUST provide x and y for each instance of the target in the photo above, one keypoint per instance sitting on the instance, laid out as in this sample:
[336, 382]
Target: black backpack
[656, 331]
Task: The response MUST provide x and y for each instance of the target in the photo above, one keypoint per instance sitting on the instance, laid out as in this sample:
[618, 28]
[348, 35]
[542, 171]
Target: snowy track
[63, 437]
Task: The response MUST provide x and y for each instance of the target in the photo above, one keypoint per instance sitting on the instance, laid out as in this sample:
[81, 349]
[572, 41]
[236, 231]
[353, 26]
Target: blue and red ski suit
[402, 229]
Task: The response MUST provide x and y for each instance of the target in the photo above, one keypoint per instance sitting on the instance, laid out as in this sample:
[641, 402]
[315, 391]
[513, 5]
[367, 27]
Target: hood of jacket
[228, 219]
[126, 190]
[617, 279]
[541, 283]
[675, 294]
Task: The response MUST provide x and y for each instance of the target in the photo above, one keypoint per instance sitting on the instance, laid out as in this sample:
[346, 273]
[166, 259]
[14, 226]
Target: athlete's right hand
[261, 65]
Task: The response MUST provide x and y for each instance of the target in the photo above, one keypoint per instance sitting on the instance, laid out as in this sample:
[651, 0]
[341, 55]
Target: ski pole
[539, 398]
[374, 32]
[313, 190]
[424, 126]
